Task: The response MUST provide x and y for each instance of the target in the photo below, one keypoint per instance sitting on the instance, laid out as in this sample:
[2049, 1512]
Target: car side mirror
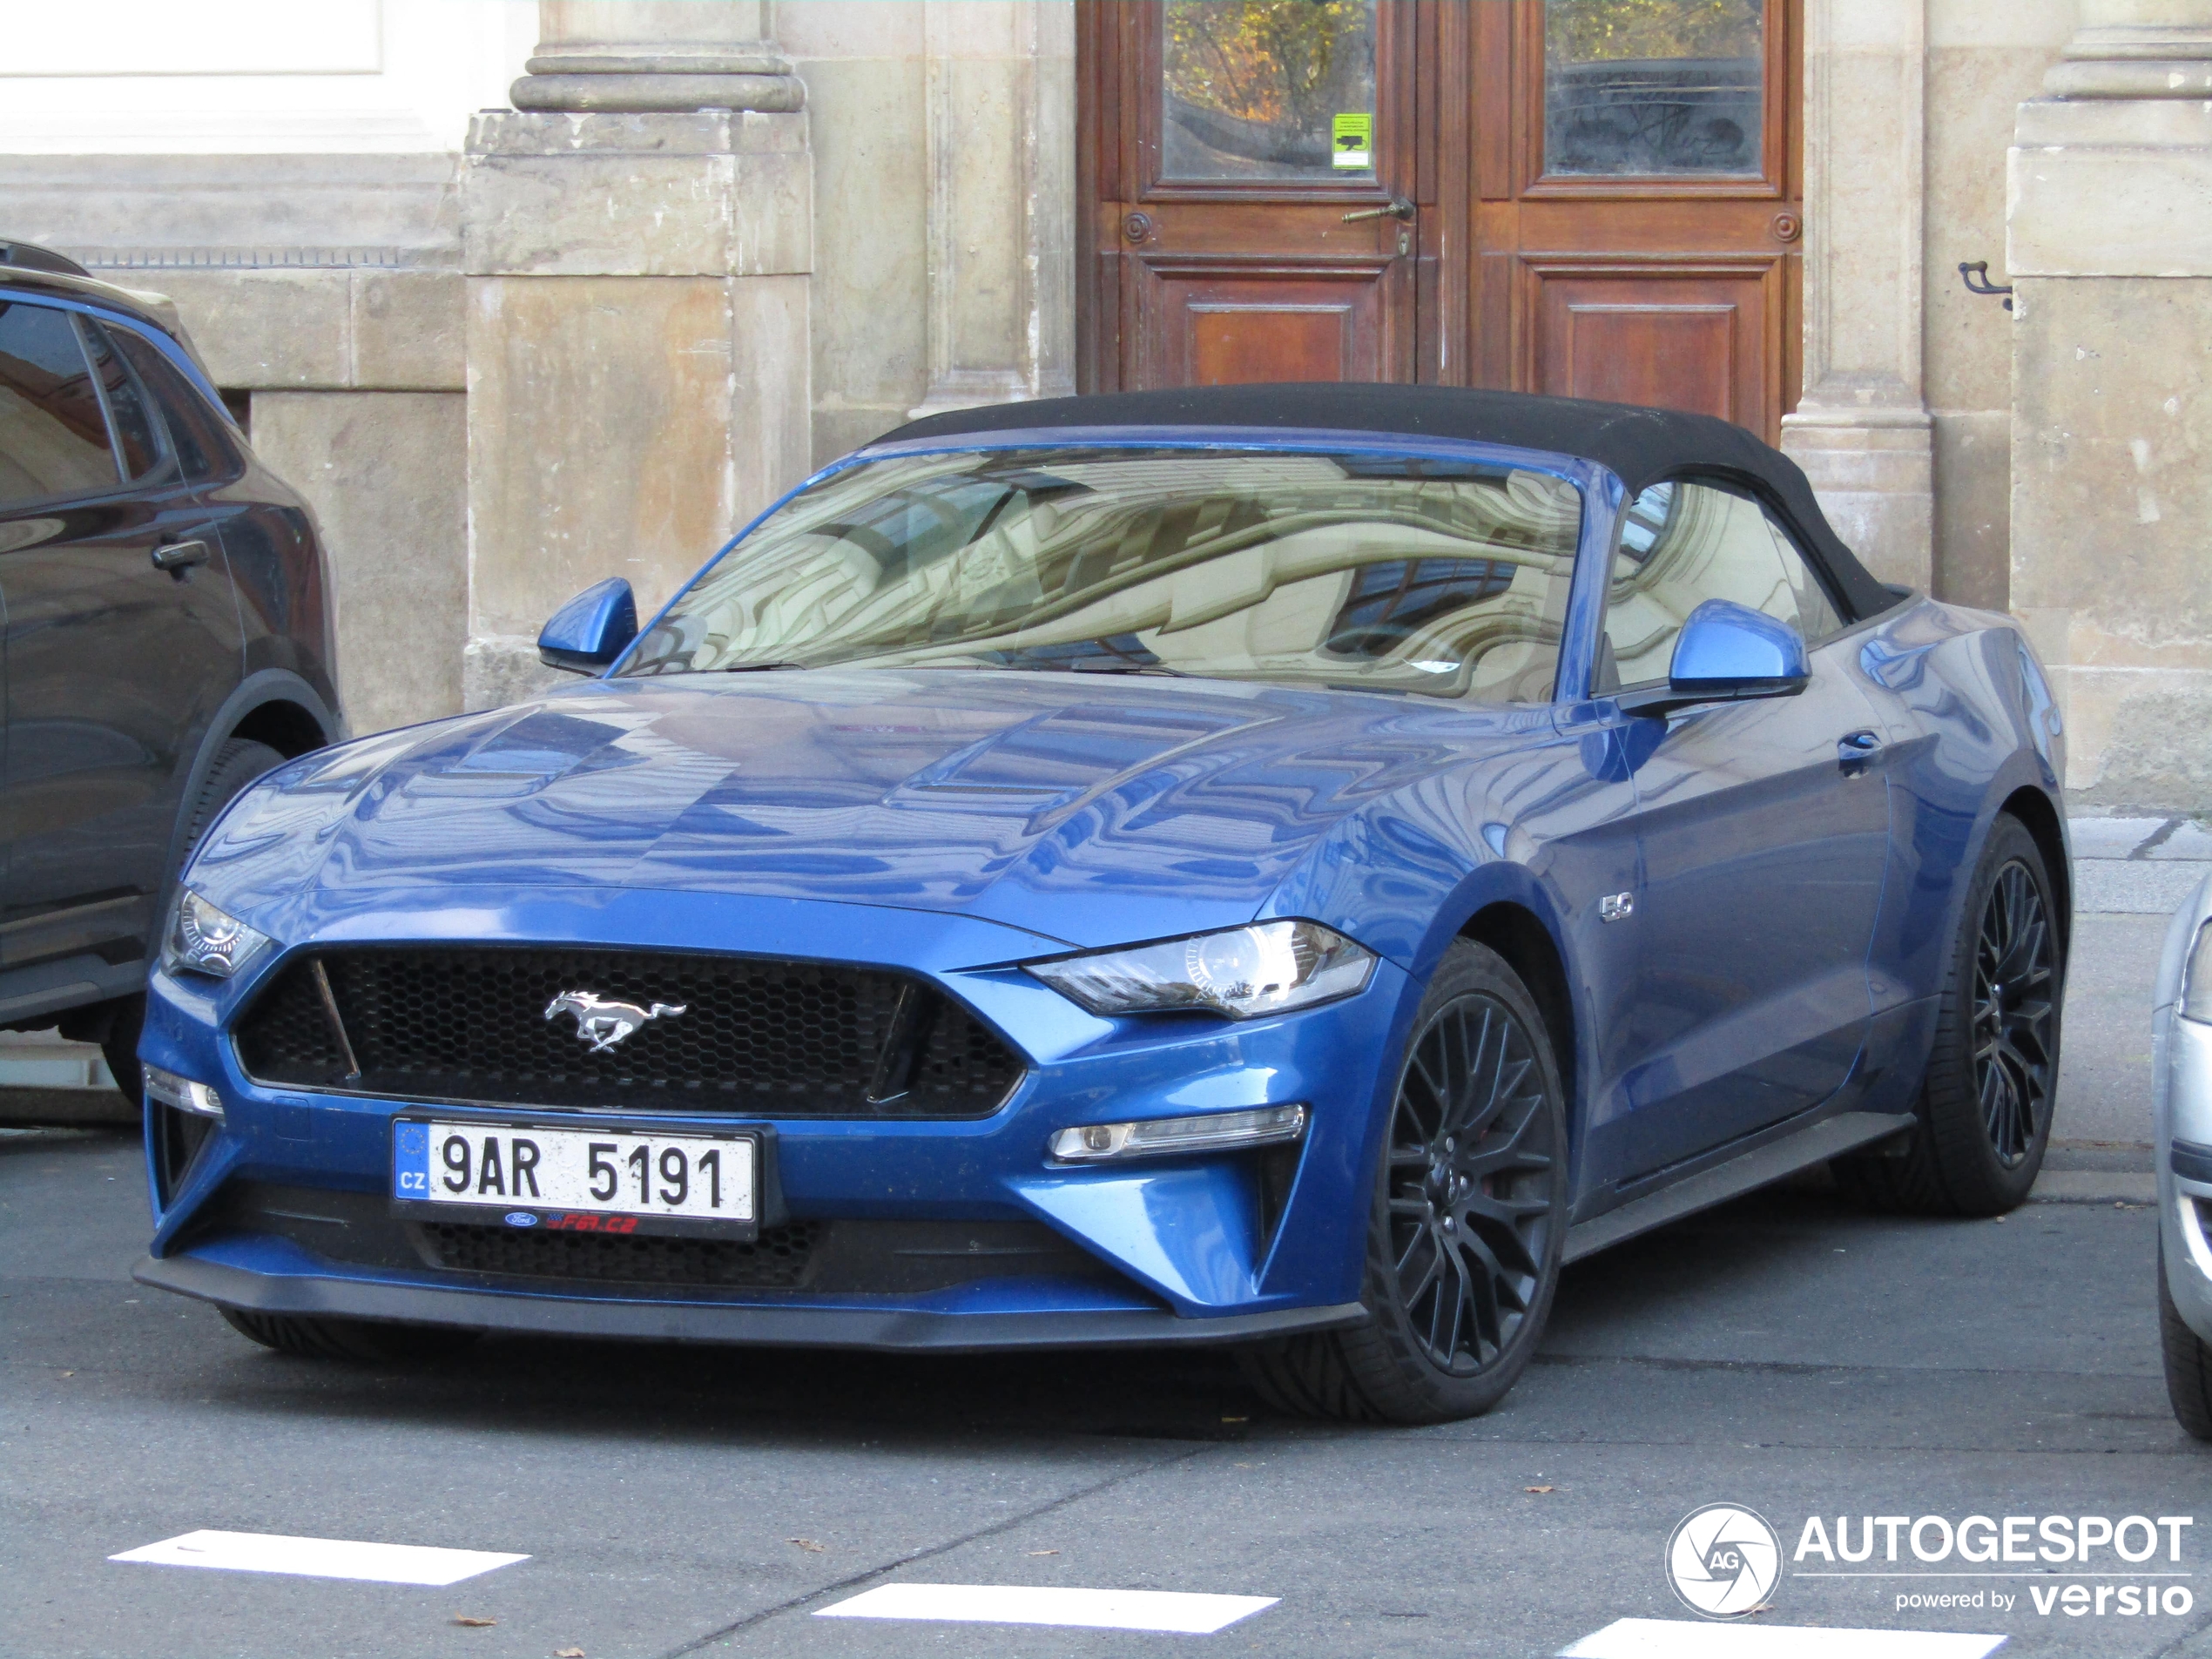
[1726, 653]
[592, 630]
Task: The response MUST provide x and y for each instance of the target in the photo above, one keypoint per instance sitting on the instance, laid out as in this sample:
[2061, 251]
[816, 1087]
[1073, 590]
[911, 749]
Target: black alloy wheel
[1988, 1095]
[2015, 974]
[1468, 1223]
[1472, 1145]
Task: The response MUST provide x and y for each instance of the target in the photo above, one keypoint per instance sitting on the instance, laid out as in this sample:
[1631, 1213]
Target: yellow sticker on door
[1351, 139]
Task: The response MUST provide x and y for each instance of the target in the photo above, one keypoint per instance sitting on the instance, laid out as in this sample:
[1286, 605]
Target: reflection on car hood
[1090, 808]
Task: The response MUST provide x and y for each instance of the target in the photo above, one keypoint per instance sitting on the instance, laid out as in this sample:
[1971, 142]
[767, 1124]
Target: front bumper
[1196, 1248]
[2184, 1116]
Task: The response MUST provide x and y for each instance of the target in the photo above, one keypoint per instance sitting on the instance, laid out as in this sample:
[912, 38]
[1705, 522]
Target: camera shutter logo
[1724, 1561]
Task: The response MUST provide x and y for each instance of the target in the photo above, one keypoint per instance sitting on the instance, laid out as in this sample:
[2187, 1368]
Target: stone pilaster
[671, 55]
[1862, 430]
[1002, 201]
[637, 241]
[2109, 248]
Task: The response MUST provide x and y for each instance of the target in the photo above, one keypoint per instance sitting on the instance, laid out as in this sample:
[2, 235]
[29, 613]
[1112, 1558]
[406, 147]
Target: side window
[53, 435]
[135, 436]
[196, 434]
[1684, 543]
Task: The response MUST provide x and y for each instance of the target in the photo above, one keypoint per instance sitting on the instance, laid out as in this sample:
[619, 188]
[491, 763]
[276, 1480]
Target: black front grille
[766, 1038]
[777, 1260]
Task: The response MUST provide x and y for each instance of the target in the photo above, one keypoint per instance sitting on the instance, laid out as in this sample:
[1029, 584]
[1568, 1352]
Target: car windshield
[1442, 577]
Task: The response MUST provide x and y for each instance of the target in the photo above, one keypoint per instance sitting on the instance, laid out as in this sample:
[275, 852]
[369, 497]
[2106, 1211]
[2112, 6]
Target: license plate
[577, 1180]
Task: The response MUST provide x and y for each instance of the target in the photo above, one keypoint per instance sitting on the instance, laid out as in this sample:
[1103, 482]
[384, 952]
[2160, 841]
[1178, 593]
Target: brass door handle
[1397, 207]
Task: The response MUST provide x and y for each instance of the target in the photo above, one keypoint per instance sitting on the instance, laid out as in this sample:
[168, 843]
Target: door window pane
[53, 438]
[1268, 89]
[1653, 87]
[1683, 544]
[126, 405]
[202, 452]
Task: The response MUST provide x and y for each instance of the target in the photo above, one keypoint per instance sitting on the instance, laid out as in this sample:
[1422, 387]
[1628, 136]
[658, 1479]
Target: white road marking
[258, 1552]
[1024, 1604]
[1691, 1639]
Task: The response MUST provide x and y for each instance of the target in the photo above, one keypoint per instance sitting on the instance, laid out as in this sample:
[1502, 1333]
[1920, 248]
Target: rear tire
[368, 1342]
[1985, 1104]
[1466, 1223]
[2188, 1362]
[238, 763]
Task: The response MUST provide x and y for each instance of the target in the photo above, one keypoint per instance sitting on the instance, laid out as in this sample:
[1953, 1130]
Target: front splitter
[330, 1297]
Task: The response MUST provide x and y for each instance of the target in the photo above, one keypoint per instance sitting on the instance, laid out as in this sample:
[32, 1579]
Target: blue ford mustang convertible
[1279, 866]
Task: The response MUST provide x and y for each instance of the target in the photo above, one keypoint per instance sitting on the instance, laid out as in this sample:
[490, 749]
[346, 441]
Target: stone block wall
[326, 296]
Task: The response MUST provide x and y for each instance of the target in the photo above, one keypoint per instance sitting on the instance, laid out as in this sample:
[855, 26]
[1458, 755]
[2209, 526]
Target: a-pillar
[1862, 430]
[637, 234]
[2109, 248]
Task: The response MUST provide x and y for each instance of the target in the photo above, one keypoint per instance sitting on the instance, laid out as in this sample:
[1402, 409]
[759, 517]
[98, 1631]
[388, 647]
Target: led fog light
[183, 1093]
[1158, 1136]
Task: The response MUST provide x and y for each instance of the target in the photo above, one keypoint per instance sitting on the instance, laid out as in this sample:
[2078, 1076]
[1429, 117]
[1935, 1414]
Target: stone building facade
[522, 295]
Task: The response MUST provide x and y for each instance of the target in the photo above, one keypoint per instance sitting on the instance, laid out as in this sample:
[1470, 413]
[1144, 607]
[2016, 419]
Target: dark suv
[167, 627]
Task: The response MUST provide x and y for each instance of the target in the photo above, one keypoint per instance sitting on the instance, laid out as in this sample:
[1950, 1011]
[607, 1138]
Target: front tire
[1467, 1221]
[1985, 1105]
[362, 1342]
[2188, 1362]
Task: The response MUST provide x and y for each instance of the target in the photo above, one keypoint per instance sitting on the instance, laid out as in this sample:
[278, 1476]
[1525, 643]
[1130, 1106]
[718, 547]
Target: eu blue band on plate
[411, 1160]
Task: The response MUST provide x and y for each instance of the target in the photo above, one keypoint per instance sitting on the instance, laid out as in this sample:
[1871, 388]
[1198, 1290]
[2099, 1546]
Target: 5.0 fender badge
[1617, 907]
[602, 1022]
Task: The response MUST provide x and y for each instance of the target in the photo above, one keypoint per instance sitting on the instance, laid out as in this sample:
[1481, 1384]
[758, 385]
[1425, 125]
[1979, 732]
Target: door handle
[180, 556]
[1396, 208]
[1855, 750]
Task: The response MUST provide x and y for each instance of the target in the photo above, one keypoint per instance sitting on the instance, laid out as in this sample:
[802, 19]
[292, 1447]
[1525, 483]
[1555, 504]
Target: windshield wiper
[757, 668]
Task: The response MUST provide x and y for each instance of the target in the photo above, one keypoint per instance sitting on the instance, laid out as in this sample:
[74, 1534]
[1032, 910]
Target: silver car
[2181, 1051]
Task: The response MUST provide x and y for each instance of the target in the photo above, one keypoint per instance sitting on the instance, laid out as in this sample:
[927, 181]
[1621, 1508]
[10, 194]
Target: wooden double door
[1592, 198]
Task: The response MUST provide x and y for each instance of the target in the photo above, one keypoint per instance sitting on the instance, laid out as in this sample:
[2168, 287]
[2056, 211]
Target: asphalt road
[1786, 1353]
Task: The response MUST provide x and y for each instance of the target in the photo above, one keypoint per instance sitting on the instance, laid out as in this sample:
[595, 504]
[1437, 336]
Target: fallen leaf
[1540, 1488]
[1042, 1552]
[567, 1653]
[474, 1624]
[807, 1543]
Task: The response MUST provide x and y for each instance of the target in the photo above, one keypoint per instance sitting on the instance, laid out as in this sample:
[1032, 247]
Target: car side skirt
[1815, 1143]
[331, 1296]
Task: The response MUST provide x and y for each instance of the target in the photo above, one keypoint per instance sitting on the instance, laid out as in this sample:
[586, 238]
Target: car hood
[1089, 808]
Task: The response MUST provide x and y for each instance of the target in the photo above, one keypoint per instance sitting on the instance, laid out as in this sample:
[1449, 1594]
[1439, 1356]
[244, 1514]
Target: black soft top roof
[1642, 446]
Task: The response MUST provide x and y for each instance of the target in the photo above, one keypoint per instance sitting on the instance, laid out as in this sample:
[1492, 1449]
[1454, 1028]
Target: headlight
[203, 940]
[1242, 972]
[2196, 978]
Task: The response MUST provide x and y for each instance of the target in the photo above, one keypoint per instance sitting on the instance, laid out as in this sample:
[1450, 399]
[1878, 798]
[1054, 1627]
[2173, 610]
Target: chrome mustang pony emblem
[602, 1022]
